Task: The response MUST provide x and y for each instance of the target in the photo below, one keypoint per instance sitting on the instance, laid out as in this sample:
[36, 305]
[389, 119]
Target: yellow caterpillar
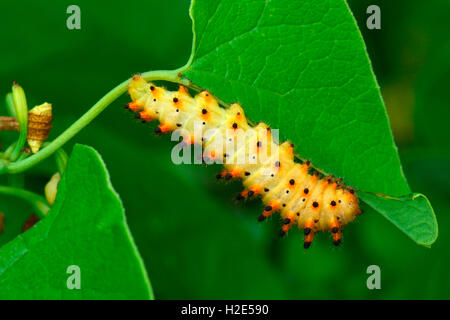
[266, 168]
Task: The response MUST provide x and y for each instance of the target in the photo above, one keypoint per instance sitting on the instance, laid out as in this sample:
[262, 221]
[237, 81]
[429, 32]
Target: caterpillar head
[138, 87]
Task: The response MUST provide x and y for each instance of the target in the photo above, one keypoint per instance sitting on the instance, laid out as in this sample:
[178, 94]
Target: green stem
[9, 150]
[61, 158]
[20, 166]
[39, 203]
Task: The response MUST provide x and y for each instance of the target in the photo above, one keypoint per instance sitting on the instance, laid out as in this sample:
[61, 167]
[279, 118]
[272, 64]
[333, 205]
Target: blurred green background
[197, 242]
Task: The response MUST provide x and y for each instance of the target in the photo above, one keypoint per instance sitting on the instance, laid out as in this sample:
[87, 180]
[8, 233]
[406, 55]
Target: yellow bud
[51, 188]
[20, 103]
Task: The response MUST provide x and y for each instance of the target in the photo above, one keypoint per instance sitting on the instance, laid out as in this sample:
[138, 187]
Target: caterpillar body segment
[267, 169]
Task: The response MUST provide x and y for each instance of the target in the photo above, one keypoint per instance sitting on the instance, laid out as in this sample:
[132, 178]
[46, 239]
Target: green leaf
[302, 67]
[412, 214]
[86, 227]
[195, 241]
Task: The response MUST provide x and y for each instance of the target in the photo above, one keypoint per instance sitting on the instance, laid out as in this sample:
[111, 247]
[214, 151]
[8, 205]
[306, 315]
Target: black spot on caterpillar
[312, 203]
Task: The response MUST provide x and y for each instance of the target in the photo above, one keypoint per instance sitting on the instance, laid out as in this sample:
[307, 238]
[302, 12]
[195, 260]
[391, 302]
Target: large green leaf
[301, 66]
[86, 227]
[196, 242]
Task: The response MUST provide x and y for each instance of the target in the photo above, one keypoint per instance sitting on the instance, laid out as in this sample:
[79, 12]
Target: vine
[13, 162]
[13, 167]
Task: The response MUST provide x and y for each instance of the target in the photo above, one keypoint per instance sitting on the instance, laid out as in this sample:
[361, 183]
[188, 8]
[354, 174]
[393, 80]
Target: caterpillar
[301, 196]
